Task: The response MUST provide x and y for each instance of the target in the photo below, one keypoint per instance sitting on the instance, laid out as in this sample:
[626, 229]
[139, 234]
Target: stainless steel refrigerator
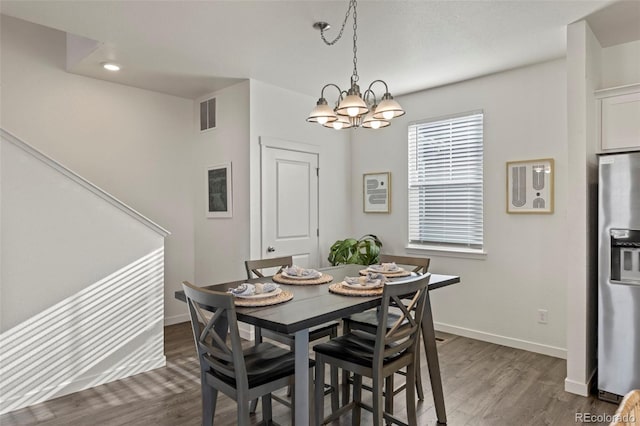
[618, 275]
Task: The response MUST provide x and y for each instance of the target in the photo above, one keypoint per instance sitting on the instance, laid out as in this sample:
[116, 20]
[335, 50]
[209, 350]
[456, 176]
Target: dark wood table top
[312, 304]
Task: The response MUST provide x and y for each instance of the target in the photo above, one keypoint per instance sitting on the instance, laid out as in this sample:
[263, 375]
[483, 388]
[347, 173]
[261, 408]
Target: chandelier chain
[355, 77]
[339, 36]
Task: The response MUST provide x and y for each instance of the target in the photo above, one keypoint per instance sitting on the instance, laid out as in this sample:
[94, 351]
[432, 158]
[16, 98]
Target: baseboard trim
[578, 388]
[176, 319]
[503, 340]
[66, 388]
[247, 331]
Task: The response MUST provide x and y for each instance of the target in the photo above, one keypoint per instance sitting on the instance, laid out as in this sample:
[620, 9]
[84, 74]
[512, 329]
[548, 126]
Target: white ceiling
[190, 48]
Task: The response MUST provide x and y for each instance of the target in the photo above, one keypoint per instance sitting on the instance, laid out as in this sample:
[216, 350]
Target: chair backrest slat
[211, 335]
[402, 336]
[420, 264]
[254, 267]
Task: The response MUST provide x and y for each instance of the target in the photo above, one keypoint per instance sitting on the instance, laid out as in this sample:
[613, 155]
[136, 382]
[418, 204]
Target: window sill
[447, 251]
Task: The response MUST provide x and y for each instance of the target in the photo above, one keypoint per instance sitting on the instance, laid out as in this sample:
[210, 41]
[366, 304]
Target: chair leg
[257, 340]
[335, 398]
[209, 399]
[417, 362]
[345, 374]
[357, 399]
[290, 387]
[410, 393]
[253, 406]
[345, 387]
[388, 395]
[267, 414]
[319, 390]
[243, 411]
[377, 400]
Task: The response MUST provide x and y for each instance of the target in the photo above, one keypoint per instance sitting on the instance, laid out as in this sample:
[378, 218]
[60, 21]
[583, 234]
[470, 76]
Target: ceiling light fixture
[110, 66]
[352, 108]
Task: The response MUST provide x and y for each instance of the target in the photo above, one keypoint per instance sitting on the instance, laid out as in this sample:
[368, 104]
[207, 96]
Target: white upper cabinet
[619, 118]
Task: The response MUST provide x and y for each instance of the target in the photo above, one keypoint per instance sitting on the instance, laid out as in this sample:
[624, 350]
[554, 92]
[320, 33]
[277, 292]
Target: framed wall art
[219, 191]
[376, 191]
[530, 186]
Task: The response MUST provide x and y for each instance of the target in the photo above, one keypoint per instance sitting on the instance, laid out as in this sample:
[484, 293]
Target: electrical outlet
[543, 316]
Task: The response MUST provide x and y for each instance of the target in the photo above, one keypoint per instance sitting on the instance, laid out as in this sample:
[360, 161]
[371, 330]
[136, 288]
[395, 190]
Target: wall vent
[208, 114]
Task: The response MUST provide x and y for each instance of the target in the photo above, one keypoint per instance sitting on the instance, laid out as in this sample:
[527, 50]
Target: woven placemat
[284, 296]
[323, 279]
[402, 273]
[338, 288]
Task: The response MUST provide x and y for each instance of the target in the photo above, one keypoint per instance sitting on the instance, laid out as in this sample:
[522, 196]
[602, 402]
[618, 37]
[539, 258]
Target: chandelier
[354, 109]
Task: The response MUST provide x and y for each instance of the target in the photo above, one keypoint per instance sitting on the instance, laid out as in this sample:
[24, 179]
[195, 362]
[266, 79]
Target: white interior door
[290, 205]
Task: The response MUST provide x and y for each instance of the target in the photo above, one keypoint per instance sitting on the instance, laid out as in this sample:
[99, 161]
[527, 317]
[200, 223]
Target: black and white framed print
[376, 191]
[530, 186]
[219, 191]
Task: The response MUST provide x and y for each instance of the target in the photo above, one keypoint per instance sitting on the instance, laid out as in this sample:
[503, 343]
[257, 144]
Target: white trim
[289, 145]
[578, 388]
[83, 182]
[294, 146]
[444, 251]
[615, 91]
[511, 342]
[446, 117]
[66, 388]
[176, 319]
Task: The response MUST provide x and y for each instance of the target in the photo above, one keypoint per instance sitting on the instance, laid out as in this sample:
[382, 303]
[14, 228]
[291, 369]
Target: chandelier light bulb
[323, 120]
[375, 124]
[338, 125]
[353, 111]
[388, 115]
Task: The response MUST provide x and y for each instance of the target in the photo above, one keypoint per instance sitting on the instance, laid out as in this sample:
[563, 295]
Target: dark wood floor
[484, 384]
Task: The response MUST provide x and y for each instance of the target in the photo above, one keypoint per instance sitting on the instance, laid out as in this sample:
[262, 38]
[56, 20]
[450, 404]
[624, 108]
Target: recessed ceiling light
[110, 66]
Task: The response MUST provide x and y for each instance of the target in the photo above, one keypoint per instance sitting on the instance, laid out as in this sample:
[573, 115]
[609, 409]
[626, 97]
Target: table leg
[302, 377]
[431, 351]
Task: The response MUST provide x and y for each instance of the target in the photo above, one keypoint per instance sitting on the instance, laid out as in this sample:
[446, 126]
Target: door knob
[271, 249]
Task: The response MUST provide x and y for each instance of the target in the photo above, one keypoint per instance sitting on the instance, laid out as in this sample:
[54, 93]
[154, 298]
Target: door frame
[267, 142]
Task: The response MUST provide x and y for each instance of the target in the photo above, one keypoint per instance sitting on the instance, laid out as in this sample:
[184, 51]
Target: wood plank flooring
[484, 384]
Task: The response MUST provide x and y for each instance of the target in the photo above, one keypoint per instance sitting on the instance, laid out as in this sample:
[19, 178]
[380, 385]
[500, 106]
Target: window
[445, 182]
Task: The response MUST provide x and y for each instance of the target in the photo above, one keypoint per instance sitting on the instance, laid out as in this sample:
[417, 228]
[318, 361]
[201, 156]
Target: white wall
[620, 65]
[278, 113]
[525, 265]
[133, 143]
[222, 244]
[81, 284]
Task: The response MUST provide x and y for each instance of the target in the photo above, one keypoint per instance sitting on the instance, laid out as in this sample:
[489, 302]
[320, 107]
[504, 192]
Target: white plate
[275, 292]
[297, 277]
[362, 287]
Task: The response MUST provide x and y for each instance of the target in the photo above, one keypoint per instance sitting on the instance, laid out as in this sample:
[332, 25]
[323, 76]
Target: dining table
[313, 305]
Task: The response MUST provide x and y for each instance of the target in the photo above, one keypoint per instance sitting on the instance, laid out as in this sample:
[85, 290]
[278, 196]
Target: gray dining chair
[368, 321]
[241, 374]
[255, 270]
[378, 355]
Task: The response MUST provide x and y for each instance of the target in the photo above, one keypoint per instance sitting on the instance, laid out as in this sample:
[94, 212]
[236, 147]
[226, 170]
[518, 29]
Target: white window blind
[445, 181]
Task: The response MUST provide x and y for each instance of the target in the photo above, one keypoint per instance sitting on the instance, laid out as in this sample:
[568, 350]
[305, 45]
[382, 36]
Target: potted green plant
[364, 251]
